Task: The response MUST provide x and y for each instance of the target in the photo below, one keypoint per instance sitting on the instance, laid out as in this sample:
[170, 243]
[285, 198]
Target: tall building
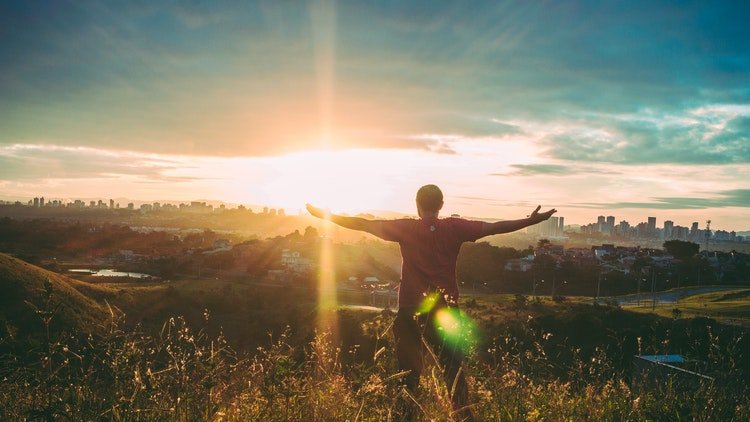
[554, 222]
[36, 202]
[111, 204]
[694, 230]
[561, 225]
[41, 201]
[610, 224]
[623, 229]
[668, 229]
[651, 226]
[601, 222]
[551, 227]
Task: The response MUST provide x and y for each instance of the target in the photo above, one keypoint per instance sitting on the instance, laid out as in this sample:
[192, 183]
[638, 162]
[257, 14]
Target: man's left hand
[537, 216]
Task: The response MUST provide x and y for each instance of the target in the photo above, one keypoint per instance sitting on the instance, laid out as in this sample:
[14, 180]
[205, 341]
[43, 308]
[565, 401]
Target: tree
[544, 264]
[311, 234]
[681, 249]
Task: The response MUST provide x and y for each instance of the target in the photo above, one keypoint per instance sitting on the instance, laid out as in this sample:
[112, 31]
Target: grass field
[730, 306]
[235, 350]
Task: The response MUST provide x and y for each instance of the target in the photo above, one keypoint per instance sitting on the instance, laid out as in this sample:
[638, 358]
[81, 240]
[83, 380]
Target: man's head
[429, 201]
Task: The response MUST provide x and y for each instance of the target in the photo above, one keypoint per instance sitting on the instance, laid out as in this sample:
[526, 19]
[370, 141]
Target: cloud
[552, 170]
[33, 162]
[731, 198]
[236, 79]
[714, 135]
[538, 169]
[495, 201]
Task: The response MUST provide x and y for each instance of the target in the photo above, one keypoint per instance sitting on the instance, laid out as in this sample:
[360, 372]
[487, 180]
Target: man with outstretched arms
[429, 249]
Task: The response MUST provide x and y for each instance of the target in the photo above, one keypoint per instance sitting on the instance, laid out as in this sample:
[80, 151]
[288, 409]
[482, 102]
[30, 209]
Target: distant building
[549, 228]
[294, 262]
[668, 229]
[371, 280]
[601, 223]
[694, 230]
[520, 264]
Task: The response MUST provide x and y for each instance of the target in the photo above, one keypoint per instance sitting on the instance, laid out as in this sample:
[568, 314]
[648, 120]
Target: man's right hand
[317, 212]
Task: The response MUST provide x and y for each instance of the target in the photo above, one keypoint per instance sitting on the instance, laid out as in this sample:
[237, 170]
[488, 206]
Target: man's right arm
[374, 227]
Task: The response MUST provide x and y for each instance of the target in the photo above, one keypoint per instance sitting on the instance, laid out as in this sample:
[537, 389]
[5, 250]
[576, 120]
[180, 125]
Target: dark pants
[409, 330]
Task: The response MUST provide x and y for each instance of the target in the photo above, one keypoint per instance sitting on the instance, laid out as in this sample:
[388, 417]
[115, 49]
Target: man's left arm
[508, 226]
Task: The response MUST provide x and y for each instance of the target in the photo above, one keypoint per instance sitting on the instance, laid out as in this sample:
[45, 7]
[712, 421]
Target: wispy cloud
[239, 79]
[715, 135]
[731, 198]
[35, 162]
[552, 170]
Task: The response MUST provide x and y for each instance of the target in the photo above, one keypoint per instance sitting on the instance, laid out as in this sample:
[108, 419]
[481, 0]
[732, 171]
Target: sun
[342, 180]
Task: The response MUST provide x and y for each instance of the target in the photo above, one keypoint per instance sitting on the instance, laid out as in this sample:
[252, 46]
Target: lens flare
[456, 328]
[428, 303]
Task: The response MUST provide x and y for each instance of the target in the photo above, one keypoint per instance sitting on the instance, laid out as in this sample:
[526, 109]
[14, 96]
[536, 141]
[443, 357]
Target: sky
[631, 109]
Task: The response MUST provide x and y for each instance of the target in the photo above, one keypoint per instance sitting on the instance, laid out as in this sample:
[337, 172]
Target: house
[294, 262]
[520, 264]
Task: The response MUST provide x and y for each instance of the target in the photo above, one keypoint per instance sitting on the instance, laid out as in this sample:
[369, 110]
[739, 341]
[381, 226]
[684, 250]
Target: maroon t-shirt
[429, 248]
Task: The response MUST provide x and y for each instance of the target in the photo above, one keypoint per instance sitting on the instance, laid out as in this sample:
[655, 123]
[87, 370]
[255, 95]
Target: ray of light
[323, 17]
[327, 302]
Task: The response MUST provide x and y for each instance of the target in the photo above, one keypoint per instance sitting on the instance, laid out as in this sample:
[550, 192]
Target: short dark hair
[430, 198]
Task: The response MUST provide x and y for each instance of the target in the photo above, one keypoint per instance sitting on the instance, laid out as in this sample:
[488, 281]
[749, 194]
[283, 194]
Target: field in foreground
[532, 360]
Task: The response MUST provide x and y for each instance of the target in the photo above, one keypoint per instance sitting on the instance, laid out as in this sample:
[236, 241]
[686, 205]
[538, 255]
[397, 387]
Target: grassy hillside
[730, 306]
[25, 295]
[726, 304]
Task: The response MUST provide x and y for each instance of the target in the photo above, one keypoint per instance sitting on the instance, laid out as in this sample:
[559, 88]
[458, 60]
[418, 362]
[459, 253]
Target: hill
[25, 286]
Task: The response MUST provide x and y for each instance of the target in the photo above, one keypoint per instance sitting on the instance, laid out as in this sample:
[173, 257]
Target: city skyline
[608, 224]
[641, 108]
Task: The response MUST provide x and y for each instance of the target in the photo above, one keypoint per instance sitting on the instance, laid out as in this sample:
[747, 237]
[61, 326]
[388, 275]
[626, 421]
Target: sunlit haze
[632, 109]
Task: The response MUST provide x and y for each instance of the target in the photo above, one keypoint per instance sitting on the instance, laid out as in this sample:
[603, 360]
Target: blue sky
[642, 108]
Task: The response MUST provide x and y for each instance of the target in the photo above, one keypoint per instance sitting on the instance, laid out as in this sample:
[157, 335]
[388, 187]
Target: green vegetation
[247, 352]
[732, 306]
[25, 290]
